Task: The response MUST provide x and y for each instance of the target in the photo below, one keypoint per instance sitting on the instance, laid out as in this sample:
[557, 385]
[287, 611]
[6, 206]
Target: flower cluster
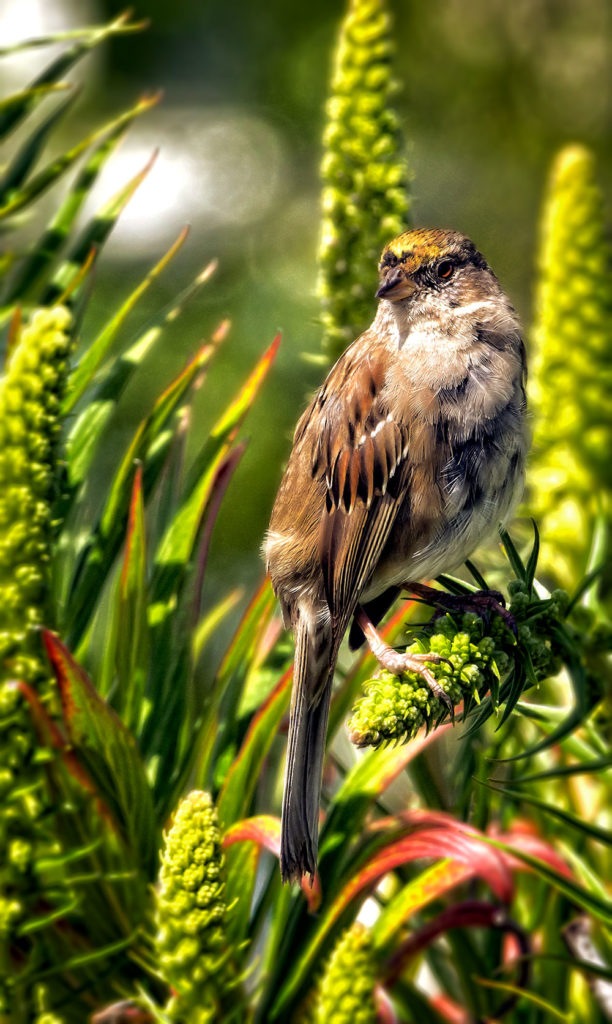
[479, 652]
[346, 990]
[365, 199]
[194, 956]
[30, 396]
[395, 708]
[571, 375]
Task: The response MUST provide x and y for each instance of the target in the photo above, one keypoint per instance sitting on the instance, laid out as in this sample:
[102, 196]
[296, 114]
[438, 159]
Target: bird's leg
[397, 663]
[483, 602]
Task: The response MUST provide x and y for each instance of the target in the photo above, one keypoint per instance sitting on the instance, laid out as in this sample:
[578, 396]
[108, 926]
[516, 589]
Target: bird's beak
[395, 284]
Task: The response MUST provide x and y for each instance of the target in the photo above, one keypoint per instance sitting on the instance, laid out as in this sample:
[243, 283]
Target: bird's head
[431, 263]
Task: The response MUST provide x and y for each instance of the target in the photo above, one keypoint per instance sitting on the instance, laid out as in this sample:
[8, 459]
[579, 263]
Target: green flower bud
[570, 381]
[346, 991]
[394, 708]
[194, 955]
[364, 198]
[29, 391]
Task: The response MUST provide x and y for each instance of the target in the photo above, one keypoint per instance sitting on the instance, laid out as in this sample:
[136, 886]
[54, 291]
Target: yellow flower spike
[570, 475]
[29, 407]
[346, 990]
[194, 955]
[30, 393]
[365, 179]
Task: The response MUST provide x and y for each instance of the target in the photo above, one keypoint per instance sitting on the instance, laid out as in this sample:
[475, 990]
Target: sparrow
[410, 455]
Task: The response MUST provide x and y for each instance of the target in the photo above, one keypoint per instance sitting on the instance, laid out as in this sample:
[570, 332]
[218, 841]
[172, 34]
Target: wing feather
[361, 454]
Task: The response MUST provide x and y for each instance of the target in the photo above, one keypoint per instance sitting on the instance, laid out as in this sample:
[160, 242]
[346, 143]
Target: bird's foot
[484, 603]
[397, 663]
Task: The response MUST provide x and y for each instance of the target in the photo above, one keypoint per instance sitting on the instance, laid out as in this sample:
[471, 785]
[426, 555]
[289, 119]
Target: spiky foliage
[195, 956]
[83, 800]
[150, 713]
[346, 989]
[365, 179]
[481, 655]
[570, 475]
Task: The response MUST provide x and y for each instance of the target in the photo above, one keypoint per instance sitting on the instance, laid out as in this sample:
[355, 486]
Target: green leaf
[84, 372]
[153, 432]
[240, 782]
[601, 835]
[30, 271]
[128, 648]
[241, 873]
[512, 555]
[531, 997]
[18, 107]
[29, 151]
[88, 428]
[592, 902]
[223, 698]
[61, 164]
[108, 751]
[532, 562]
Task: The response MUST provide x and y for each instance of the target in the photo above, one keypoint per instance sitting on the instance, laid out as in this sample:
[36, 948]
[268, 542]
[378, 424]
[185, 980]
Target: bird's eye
[445, 270]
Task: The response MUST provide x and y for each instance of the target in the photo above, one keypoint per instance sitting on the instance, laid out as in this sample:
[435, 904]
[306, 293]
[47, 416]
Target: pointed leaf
[87, 430]
[512, 555]
[591, 902]
[26, 156]
[84, 372]
[96, 232]
[31, 270]
[265, 831]
[241, 780]
[601, 835]
[532, 561]
[109, 753]
[15, 112]
[61, 164]
[130, 623]
[240, 658]
[463, 856]
[96, 560]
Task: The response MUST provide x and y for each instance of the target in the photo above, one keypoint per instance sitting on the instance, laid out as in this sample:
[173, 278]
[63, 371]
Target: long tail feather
[312, 684]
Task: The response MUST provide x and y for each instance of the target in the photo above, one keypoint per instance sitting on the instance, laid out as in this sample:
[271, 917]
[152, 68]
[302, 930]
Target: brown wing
[361, 454]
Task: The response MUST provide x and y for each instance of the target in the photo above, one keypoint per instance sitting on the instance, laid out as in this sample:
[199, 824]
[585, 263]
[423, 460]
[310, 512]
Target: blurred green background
[488, 92]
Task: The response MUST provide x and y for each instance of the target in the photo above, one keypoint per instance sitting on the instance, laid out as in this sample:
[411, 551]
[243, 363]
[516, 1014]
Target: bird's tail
[313, 672]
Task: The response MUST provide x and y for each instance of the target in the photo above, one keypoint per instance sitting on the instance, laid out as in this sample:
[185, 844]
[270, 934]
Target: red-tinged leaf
[465, 858]
[365, 782]
[385, 1011]
[50, 736]
[242, 778]
[450, 1010]
[224, 475]
[524, 842]
[468, 914]
[265, 830]
[236, 410]
[241, 658]
[109, 753]
[592, 899]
